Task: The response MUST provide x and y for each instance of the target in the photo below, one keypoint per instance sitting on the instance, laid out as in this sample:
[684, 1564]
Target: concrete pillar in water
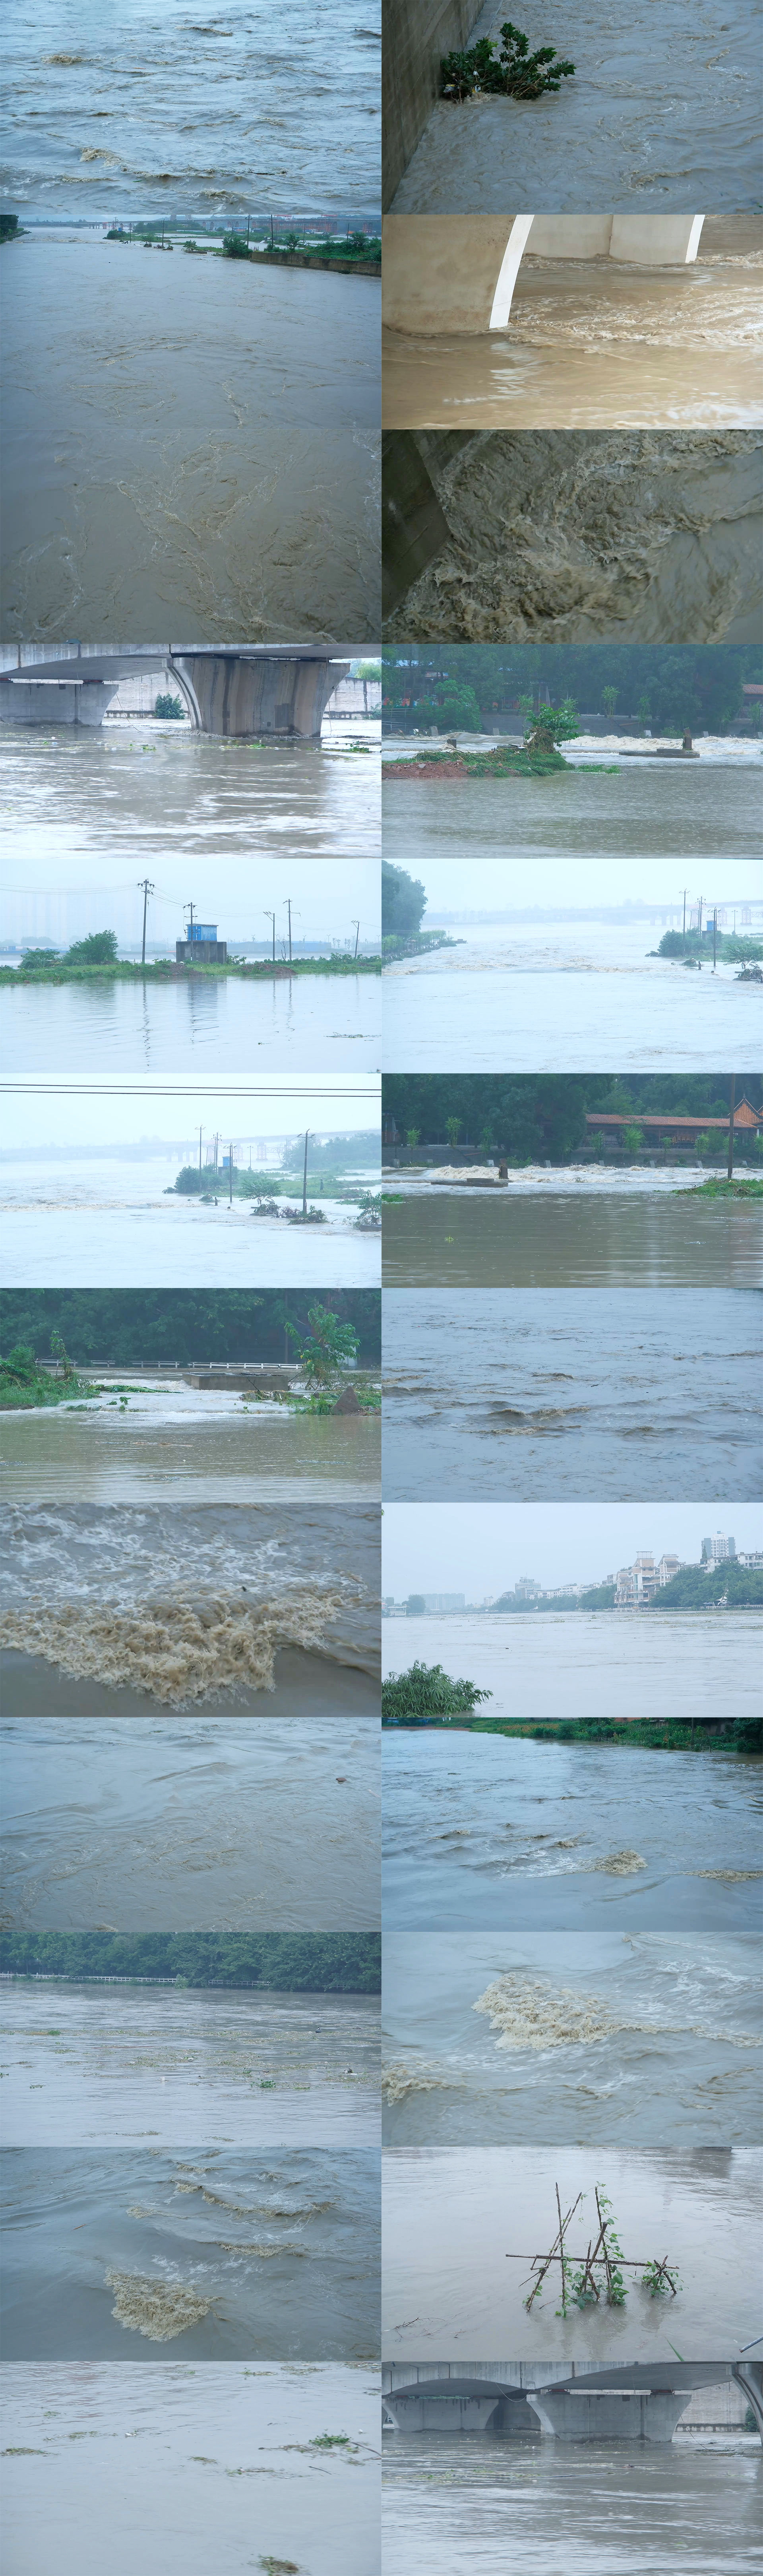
[262, 693]
[749, 2376]
[458, 273]
[608, 2415]
[54, 702]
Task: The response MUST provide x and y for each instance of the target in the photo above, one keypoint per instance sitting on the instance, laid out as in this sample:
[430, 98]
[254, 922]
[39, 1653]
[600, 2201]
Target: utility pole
[230, 1175]
[288, 908]
[700, 901]
[304, 1177]
[356, 928]
[200, 1153]
[147, 890]
[270, 916]
[730, 1169]
[715, 934]
[684, 928]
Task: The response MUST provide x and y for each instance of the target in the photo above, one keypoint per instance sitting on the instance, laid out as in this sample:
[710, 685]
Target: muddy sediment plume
[531, 2016]
[565, 535]
[157, 2309]
[178, 1651]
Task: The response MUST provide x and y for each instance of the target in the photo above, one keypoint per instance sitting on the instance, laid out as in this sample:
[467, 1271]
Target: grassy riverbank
[739, 1188]
[732, 1735]
[500, 763]
[163, 970]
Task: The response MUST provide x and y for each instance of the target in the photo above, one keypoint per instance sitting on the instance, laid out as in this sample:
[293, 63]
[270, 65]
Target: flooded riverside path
[140, 791]
[660, 105]
[216, 447]
[501, 1833]
[217, 2254]
[585, 1228]
[452, 2216]
[127, 1822]
[197, 114]
[653, 1398]
[264, 2486]
[109, 2063]
[594, 1663]
[292, 1022]
[171, 1440]
[570, 2037]
[465, 2508]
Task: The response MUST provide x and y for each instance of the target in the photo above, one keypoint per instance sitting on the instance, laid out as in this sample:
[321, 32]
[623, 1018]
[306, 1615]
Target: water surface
[688, 133]
[100, 1217]
[586, 1229]
[198, 111]
[571, 2039]
[595, 1663]
[645, 808]
[109, 2063]
[277, 2262]
[453, 2215]
[216, 447]
[173, 1439]
[262, 2489]
[133, 791]
[603, 2509]
[293, 1022]
[571, 1393]
[630, 1840]
[128, 1824]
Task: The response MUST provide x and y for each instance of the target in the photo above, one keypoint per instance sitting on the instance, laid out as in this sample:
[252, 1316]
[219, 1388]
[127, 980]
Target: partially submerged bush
[234, 246]
[514, 73]
[427, 1691]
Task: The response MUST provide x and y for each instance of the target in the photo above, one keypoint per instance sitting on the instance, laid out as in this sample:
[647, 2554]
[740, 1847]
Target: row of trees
[313, 1962]
[666, 687]
[126, 1325]
[542, 1117]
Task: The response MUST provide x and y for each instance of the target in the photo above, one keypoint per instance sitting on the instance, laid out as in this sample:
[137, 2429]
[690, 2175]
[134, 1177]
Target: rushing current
[108, 2064]
[168, 1602]
[289, 2465]
[167, 1439]
[584, 1229]
[220, 2253]
[104, 1217]
[129, 795]
[641, 2037]
[194, 453]
[462, 2225]
[631, 1839]
[456, 2508]
[198, 111]
[489, 1394]
[127, 1823]
[661, 113]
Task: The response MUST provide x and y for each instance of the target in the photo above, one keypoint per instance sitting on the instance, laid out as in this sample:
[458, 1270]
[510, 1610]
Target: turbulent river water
[631, 1839]
[120, 2062]
[128, 1823]
[173, 1601]
[213, 465]
[558, 538]
[198, 111]
[487, 1394]
[461, 2225]
[687, 133]
[456, 2508]
[592, 344]
[564, 999]
[644, 2037]
[240, 2259]
[263, 2491]
[197, 798]
[584, 1229]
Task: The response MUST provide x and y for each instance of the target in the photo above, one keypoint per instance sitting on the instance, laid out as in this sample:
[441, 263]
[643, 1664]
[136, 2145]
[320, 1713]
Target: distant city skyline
[484, 1549]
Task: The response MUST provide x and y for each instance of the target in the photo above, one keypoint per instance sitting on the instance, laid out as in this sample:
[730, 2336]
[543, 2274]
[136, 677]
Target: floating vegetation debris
[595, 2277]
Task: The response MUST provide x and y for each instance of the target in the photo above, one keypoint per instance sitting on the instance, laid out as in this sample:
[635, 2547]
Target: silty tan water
[213, 461]
[596, 1663]
[592, 344]
[117, 1822]
[106, 794]
[593, 2508]
[662, 113]
[565, 1230]
[559, 538]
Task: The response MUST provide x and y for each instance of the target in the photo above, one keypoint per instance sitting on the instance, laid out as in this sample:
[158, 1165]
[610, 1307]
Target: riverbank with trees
[307, 1962]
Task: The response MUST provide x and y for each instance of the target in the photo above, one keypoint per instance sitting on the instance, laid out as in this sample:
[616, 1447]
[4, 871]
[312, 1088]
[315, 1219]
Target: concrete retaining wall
[416, 35]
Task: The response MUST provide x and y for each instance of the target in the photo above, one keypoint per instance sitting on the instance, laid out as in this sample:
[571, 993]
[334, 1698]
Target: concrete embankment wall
[416, 35]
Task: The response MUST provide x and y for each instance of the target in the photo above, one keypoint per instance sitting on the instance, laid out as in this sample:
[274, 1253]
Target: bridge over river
[243, 690]
[642, 2402]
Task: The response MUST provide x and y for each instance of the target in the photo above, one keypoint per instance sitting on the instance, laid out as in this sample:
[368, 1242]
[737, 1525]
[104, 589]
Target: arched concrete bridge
[242, 690]
[642, 2402]
[460, 276]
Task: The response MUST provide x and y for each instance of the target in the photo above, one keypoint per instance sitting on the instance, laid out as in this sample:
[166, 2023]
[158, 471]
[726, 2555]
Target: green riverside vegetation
[680, 1734]
[315, 1962]
[127, 1325]
[25, 1385]
[511, 73]
[425, 1691]
[531, 1118]
[95, 958]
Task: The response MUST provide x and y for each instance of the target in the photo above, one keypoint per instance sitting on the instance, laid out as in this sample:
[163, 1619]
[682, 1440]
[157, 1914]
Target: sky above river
[484, 1548]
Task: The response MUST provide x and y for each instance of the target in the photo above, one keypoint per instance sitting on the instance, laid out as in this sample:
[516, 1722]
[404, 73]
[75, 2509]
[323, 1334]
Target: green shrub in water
[513, 73]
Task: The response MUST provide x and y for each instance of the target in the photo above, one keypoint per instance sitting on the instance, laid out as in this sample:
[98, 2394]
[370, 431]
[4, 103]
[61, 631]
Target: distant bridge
[234, 690]
[642, 2402]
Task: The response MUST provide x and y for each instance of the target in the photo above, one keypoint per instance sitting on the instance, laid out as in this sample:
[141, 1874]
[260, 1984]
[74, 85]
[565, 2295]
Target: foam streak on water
[649, 2037]
[503, 1833]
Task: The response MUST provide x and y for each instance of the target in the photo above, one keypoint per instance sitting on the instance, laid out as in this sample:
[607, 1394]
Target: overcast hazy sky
[48, 897]
[104, 1118]
[479, 1548]
[502, 884]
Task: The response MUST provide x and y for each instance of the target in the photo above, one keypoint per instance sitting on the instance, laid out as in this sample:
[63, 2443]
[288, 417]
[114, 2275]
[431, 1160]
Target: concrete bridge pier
[749, 2376]
[55, 702]
[608, 2415]
[280, 693]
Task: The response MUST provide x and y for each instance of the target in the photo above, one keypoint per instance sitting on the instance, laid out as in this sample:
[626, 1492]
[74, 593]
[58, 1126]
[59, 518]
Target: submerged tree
[427, 1691]
[512, 73]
